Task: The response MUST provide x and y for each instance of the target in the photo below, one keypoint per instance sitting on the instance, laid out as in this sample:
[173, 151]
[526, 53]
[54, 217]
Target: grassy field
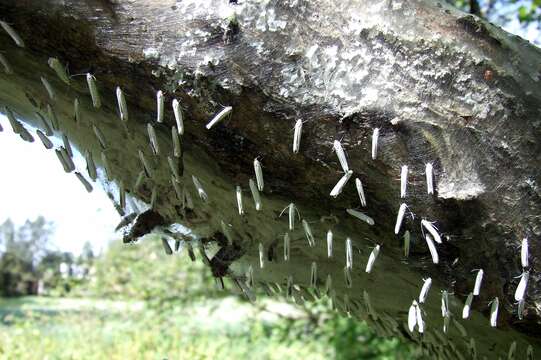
[141, 304]
[60, 328]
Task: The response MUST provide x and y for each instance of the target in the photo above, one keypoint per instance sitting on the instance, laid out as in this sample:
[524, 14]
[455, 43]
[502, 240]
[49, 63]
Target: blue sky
[33, 183]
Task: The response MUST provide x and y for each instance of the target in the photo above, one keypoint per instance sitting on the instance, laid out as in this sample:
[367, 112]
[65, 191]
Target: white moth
[403, 180]
[12, 33]
[337, 189]
[90, 166]
[375, 137]
[93, 88]
[255, 195]
[83, 181]
[444, 303]
[512, 350]
[349, 254]
[146, 165]
[226, 111]
[400, 217]
[420, 322]
[99, 136]
[187, 201]
[360, 191]
[15, 124]
[60, 70]
[429, 178]
[106, 166]
[369, 308]
[177, 150]
[239, 200]
[467, 306]
[200, 191]
[160, 106]
[287, 242]
[347, 277]
[412, 316]
[122, 195]
[446, 320]
[25, 135]
[50, 90]
[297, 136]
[178, 116]
[432, 248]
[67, 145]
[52, 116]
[529, 353]
[341, 155]
[7, 68]
[328, 284]
[291, 216]
[153, 139]
[347, 305]
[308, 233]
[62, 160]
[122, 106]
[424, 290]
[432, 230]
[494, 312]
[174, 168]
[166, 246]
[261, 256]
[524, 253]
[250, 277]
[45, 140]
[329, 243]
[76, 110]
[313, 275]
[478, 281]
[289, 286]
[361, 216]
[372, 259]
[521, 288]
[291, 212]
[520, 309]
[68, 158]
[176, 187]
[407, 241]
[258, 174]
[45, 124]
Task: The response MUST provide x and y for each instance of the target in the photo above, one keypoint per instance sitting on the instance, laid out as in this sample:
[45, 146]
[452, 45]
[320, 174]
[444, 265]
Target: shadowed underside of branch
[441, 88]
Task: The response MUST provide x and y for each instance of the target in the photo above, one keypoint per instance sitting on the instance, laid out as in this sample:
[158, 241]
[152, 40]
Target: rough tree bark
[443, 87]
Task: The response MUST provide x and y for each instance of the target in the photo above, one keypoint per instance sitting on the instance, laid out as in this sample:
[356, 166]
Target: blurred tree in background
[505, 12]
[141, 271]
[29, 264]
[21, 251]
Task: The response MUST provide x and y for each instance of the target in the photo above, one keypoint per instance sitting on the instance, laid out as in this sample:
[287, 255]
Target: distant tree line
[29, 265]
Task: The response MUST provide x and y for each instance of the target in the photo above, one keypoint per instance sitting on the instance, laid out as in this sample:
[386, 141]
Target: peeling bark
[442, 87]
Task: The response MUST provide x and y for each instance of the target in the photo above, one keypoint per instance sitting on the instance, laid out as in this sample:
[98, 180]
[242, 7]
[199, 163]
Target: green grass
[38, 328]
[141, 304]
[227, 328]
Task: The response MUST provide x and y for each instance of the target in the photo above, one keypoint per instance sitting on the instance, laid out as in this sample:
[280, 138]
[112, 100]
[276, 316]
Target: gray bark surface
[442, 86]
